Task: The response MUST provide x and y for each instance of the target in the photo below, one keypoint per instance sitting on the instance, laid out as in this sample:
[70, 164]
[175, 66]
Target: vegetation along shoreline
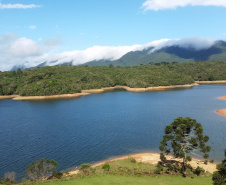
[107, 89]
[94, 91]
[152, 158]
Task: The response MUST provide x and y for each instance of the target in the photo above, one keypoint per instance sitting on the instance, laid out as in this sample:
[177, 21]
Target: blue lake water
[99, 126]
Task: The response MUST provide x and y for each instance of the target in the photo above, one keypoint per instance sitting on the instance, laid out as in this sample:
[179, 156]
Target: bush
[219, 177]
[85, 168]
[106, 167]
[212, 161]
[199, 170]
[132, 160]
[93, 170]
[57, 175]
[188, 158]
[158, 169]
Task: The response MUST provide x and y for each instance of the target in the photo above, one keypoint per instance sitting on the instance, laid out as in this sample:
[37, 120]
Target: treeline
[72, 79]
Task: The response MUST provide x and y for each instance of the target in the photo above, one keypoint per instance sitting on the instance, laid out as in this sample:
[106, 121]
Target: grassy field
[131, 180]
[129, 172]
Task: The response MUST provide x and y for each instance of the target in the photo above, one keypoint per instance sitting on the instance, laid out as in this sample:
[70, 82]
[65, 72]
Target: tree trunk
[184, 158]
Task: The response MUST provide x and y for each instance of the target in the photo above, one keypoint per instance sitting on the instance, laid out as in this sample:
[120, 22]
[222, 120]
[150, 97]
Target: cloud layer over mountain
[16, 51]
[165, 4]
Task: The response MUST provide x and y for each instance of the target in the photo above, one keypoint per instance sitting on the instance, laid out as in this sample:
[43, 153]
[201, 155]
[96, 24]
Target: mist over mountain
[174, 53]
[165, 50]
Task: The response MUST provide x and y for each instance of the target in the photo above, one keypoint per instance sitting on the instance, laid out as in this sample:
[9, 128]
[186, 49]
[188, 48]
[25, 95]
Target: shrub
[93, 170]
[57, 175]
[106, 167]
[132, 160]
[219, 177]
[85, 168]
[199, 170]
[212, 161]
[188, 158]
[158, 169]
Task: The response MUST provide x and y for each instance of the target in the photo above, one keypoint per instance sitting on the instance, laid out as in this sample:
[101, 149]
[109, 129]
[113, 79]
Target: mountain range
[217, 52]
[151, 55]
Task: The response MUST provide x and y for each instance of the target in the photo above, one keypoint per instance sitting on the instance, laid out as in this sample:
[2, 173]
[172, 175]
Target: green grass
[132, 180]
[126, 172]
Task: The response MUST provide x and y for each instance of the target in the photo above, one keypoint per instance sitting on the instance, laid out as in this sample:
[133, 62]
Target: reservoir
[101, 126]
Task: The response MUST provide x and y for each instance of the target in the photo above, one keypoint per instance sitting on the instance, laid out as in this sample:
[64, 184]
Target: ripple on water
[99, 126]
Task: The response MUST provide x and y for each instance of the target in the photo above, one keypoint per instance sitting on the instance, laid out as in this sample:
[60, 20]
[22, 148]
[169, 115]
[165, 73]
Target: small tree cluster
[10, 178]
[219, 177]
[41, 169]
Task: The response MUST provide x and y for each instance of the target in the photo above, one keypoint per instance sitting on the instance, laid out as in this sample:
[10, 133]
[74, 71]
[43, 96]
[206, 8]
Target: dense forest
[66, 79]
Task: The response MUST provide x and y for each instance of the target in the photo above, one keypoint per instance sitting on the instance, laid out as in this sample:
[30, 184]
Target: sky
[35, 31]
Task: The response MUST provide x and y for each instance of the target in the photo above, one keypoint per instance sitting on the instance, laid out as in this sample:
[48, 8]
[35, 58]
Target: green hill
[67, 79]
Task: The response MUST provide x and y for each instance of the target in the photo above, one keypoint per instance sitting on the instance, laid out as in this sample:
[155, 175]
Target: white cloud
[18, 6]
[32, 27]
[7, 38]
[173, 4]
[26, 52]
[24, 47]
[196, 43]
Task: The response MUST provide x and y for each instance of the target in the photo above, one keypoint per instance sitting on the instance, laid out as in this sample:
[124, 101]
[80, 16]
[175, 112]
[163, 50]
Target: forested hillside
[72, 79]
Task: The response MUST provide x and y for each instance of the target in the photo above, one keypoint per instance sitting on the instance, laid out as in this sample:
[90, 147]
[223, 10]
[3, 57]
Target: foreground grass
[131, 180]
[124, 172]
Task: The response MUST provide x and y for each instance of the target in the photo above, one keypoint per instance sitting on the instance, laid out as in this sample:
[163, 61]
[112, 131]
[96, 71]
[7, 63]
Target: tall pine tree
[182, 137]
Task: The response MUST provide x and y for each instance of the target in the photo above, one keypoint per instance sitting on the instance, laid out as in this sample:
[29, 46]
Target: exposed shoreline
[222, 112]
[8, 97]
[211, 82]
[223, 97]
[94, 91]
[105, 89]
[153, 158]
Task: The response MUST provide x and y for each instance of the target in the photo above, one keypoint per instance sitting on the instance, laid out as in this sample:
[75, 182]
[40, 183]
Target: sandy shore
[8, 97]
[49, 97]
[211, 82]
[154, 158]
[93, 91]
[222, 112]
[223, 97]
[159, 88]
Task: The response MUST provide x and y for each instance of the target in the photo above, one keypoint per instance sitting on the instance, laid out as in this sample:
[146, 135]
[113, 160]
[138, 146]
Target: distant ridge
[216, 52]
[151, 55]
